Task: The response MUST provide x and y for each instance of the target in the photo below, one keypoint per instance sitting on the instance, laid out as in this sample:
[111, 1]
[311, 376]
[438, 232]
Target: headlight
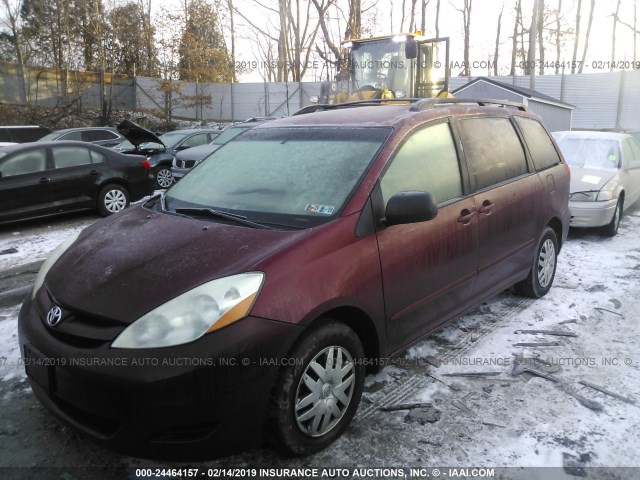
[189, 316]
[592, 196]
[401, 94]
[51, 259]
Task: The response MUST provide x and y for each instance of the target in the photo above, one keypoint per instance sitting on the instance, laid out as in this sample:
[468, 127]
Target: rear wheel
[112, 199]
[611, 229]
[315, 399]
[543, 270]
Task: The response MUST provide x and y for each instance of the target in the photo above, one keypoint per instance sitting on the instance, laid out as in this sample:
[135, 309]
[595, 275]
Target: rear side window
[64, 157]
[72, 136]
[543, 153]
[28, 134]
[98, 135]
[23, 163]
[493, 150]
[427, 161]
[96, 157]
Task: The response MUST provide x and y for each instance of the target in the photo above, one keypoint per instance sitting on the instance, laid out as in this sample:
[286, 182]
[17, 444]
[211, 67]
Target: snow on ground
[504, 419]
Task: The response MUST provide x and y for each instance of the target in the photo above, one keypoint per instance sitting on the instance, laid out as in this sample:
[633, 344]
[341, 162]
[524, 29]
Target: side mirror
[410, 207]
[411, 49]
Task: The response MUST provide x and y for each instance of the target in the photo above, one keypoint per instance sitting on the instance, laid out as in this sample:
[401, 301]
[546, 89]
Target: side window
[542, 151]
[493, 150]
[196, 140]
[96, 157]
[72, 136]
[64, 157]
[23, 163]
[99, 135]
[4, 135]
[427, 161]
[634, 161]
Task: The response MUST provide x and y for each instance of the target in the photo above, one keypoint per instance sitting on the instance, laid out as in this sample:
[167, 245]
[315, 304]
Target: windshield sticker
[321, 209]
[591, 179]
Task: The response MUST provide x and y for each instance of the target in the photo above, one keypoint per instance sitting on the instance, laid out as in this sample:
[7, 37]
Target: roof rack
[418, 104]
[357, 103]
[426, 103]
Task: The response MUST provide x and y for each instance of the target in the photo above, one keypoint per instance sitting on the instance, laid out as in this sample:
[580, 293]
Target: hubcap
[115, 200]
[546, 263]
[164, 178]
[325, 391]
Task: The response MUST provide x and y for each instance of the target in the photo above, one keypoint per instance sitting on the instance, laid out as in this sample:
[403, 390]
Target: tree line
[196, 41]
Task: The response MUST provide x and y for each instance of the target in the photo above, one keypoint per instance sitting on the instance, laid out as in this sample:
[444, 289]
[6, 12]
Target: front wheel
[611, 229]
[543, 270]
[164, 177]
[112, 199]
[315, 399]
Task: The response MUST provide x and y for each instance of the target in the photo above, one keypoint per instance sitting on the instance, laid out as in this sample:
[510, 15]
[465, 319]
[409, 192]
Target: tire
[112, 199]
[543, 269]
[313, 388]
[611, 229]
[164, 177]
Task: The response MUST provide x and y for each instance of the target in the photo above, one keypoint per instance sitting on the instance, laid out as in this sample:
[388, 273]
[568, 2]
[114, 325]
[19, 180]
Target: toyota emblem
[54, 316]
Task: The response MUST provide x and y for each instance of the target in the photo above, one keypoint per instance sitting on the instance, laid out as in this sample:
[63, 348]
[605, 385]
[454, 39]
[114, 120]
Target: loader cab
[391, 67]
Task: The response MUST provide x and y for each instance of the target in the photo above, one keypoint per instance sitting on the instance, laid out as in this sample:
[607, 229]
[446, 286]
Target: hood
[198, 153]
[586, 179]
[137, 134]
[125, 266]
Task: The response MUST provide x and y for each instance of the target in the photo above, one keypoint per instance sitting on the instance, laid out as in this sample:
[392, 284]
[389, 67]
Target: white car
[605, 176]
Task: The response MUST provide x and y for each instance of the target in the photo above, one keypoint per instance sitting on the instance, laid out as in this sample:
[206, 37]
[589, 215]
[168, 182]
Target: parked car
[161, 150]
[184, 161]
[22, 133]
[41, 179]
[104, 136]
[302, 255]
[605, 177]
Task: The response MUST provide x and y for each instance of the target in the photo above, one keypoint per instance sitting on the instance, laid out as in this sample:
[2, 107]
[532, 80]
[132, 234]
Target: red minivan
[291, 263]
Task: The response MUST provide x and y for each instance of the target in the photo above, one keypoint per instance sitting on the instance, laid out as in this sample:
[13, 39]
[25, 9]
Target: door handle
[94, 172]
[466, 216]
[487, 207]
[45, 180]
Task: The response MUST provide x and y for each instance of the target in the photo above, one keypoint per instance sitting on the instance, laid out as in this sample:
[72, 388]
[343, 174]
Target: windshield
[292, 176]
[231, 133]
[598, 153]
[170, 139]
[381, 63]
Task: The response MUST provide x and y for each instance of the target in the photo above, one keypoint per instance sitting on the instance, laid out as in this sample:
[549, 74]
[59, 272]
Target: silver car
[605, 176]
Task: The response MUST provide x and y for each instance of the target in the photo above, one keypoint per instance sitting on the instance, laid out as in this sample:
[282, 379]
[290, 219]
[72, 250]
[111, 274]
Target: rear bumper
[592, 214]
[197, 401]
[141, 189]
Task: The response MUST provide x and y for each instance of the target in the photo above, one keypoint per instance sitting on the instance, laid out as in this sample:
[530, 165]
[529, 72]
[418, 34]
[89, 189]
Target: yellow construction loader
[400, 66]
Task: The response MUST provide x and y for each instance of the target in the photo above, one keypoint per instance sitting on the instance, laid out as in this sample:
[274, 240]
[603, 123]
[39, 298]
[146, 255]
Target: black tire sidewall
[285, 433]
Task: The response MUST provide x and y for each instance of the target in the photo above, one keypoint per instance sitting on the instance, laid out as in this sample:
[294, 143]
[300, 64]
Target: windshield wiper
[210, 212]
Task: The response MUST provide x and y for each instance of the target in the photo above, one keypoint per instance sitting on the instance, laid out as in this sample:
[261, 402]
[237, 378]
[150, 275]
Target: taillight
[568, 170]
[146, 164]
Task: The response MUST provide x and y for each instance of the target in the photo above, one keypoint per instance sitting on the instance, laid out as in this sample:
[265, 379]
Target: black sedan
[40, 179]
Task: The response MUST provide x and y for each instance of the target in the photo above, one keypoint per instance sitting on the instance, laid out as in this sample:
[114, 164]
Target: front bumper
[196, 401]
[592, 214]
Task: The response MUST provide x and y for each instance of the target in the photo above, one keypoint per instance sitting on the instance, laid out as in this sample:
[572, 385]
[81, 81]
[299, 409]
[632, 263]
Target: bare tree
[586, 40]
[466, 20]
[558, 36]
[438, 19]
[412, 18]
[541, 35]
[514, 47]
[576, 39]
[533, 31]
[613, 36]
[10, 21]
[497, 50]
